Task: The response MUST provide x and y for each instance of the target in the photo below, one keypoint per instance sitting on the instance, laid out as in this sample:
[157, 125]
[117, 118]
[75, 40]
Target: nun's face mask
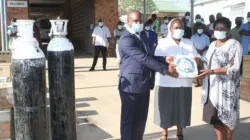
[177, 30]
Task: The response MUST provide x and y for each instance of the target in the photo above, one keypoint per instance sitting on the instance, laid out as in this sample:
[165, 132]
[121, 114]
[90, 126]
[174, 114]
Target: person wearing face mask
[12, 32]
[235, 32]
[201, 43]
[187, 25]
[245, 32]
[210, 30]
[150, 36]
[221, 80]
[136, 77]
[101, 37]
[117, 34]
[150, 23]
[173, 96]
[164, 27]
[198, 19]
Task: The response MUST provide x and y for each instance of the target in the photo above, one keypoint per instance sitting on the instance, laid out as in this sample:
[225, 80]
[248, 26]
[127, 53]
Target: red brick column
[108, 11]
[4, 130]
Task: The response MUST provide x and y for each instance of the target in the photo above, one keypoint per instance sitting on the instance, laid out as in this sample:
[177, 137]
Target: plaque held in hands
[186, 66]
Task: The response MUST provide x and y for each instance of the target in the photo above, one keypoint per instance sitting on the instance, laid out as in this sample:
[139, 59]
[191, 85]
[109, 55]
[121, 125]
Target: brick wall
[87, 12]
[5, 130]
[5, 124]
[15, 12]
[81, 17]
[108, 11]
[18, 13]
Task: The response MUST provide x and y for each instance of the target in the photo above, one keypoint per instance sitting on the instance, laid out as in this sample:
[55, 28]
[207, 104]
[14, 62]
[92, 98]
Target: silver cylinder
[5, 24]
[2, 25]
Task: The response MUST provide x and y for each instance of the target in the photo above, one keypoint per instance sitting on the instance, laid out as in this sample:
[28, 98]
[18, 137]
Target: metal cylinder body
[28, 72]
[62, 88]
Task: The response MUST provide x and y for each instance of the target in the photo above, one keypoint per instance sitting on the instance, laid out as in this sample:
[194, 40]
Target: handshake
[172, 67]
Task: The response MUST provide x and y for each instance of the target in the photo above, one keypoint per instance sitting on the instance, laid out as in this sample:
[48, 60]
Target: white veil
[163, 43]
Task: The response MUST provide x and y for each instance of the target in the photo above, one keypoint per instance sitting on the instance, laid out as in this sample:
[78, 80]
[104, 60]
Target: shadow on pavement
[97, 87]
[86, 128]
[80, 105]
[206, 132]
[95, 67]
[85, 99]
[91, 132]
[96, 70]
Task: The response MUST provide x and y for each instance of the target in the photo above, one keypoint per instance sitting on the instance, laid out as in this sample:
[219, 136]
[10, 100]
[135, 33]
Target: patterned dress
[224, 90]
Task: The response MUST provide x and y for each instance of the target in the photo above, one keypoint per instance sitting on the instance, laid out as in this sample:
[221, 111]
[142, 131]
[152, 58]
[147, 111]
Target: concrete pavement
[98, 108]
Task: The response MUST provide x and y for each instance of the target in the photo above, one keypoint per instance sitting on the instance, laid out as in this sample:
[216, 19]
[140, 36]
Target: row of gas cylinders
[29, 84]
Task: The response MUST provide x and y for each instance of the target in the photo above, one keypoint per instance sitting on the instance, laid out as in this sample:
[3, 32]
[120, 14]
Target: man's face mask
[100, 24]
[198, 20]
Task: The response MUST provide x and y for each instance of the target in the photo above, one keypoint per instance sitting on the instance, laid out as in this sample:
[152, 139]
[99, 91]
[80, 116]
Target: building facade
[82, 14]
[229, 8]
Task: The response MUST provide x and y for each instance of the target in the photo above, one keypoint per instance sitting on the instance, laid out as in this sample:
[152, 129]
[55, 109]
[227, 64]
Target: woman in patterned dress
[221, 89]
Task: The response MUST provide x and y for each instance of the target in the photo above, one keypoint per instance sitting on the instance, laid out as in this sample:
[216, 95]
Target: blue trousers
[134, 113]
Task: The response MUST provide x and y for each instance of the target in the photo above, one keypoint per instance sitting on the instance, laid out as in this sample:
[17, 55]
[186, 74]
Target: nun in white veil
[173, 96]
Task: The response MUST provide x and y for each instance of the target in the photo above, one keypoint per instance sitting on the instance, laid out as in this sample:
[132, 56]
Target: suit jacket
[137, 64]
[151, 39]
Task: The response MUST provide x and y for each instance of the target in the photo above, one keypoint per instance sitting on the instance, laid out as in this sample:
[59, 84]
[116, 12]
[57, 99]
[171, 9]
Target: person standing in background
[202, 21]
[219, 15]
[12, 32]
[101, 37]
[235, 32]
[164, 27]
[150, 36]
[187, 25]
[198, 18]
[156, 23]
[150, 22]
[245, 32]
[201, 43]
[117, 34]
[210, 31]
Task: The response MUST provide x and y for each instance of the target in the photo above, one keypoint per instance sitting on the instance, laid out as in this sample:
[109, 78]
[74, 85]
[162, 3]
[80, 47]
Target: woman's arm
[235, 58]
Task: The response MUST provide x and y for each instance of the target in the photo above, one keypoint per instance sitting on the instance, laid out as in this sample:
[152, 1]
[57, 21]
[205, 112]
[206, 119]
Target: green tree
[127, 5]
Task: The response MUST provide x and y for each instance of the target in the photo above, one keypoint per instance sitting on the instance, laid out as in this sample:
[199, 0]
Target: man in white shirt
[164, 27]
[201, 43]
[101, 36]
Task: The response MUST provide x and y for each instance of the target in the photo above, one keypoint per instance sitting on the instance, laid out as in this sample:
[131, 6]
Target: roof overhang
[234, 4]
[200, 2]
[47, 2]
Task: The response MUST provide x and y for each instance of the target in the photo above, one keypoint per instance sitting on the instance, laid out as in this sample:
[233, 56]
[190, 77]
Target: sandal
[180, 137]
[165, 137]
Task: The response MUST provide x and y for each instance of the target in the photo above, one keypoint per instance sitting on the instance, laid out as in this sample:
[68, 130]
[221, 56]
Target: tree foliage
[127, 5]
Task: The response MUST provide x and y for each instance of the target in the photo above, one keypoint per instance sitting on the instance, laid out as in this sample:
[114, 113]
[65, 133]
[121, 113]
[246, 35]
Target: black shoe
[91, 69]
[104, 69]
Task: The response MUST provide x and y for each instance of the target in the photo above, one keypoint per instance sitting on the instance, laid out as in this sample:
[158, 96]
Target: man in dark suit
[135, 81]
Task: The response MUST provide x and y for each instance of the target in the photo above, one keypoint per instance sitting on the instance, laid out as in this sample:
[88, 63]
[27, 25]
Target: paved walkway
[98, 108]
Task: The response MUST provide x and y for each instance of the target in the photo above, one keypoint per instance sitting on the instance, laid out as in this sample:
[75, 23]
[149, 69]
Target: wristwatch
[212, 71]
